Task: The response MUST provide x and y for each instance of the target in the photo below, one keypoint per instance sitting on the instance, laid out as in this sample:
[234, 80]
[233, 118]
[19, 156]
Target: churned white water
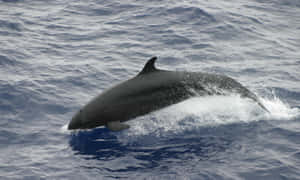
[199, 112]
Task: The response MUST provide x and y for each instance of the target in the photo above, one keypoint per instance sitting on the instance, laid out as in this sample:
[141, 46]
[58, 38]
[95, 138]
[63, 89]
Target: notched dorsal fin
[149, 66]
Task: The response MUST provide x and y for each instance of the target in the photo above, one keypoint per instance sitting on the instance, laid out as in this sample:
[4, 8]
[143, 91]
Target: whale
[150, 90]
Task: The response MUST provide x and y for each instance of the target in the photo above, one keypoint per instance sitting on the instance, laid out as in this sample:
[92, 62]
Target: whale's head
[76, 122]
[85, 119]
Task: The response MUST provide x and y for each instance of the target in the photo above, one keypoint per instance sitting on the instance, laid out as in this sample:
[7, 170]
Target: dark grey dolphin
[150, 90]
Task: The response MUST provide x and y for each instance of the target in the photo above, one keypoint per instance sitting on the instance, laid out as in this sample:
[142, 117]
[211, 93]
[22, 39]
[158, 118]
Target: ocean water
[57, 55]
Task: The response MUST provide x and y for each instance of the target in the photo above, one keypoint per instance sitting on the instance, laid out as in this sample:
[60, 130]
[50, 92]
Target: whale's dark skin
[150, 90]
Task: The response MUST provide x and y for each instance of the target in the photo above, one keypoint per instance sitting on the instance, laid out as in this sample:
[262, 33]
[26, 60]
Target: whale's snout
[75, 122]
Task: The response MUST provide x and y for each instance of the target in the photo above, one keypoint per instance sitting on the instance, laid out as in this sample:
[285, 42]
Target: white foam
[209, 111]
[64, 129]
[279, 110]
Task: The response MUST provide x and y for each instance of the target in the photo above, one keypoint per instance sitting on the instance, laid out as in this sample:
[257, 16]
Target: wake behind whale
[153, 89]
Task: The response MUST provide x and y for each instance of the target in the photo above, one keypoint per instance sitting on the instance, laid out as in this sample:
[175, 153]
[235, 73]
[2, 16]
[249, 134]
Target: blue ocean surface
[57, 55]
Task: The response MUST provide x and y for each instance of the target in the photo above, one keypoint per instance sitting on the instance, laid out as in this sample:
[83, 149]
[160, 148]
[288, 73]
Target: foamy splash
[279, 110]
[64, 129]
[209, 111]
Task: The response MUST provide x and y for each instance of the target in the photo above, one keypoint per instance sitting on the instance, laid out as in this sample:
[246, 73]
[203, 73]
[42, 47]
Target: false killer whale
[150, 90]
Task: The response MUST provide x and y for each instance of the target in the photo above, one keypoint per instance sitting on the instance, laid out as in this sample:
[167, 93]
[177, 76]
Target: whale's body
[150, 90]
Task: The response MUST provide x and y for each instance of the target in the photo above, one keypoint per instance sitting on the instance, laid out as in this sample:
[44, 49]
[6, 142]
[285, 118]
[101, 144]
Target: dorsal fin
[149, 66]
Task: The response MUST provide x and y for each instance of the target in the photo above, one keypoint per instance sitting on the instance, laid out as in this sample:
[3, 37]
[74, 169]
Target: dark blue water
[55, 56]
